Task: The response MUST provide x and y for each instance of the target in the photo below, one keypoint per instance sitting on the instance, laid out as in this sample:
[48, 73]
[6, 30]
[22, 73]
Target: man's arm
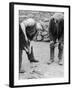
[24, 31]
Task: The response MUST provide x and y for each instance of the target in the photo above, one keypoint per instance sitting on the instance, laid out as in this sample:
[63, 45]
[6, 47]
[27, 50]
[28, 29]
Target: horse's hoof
[60, 62]
[50, 61]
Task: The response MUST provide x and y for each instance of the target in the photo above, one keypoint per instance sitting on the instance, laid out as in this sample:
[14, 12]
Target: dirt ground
[41, 69]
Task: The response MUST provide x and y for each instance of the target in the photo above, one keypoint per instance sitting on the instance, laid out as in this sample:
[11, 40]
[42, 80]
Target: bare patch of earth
[41, 69]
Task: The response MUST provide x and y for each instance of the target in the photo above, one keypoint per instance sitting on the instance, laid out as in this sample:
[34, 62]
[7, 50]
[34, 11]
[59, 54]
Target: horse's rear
[56, 33]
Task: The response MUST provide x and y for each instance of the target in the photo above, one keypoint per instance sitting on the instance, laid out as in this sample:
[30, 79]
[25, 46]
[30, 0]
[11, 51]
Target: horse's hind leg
[52, 47]
[60, 54]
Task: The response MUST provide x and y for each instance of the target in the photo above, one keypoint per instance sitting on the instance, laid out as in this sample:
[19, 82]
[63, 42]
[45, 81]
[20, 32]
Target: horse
[56, 34]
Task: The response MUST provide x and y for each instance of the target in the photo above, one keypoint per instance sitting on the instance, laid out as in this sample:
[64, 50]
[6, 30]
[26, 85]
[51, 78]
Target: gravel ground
[41, 69]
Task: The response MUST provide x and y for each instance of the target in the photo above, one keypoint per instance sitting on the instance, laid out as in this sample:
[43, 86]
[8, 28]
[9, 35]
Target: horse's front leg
[52, 48]
[30, 53]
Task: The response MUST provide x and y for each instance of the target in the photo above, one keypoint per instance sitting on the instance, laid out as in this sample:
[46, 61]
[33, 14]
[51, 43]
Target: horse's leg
[60, 47]
[52, 47]
[30, 54]
[60, 54]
